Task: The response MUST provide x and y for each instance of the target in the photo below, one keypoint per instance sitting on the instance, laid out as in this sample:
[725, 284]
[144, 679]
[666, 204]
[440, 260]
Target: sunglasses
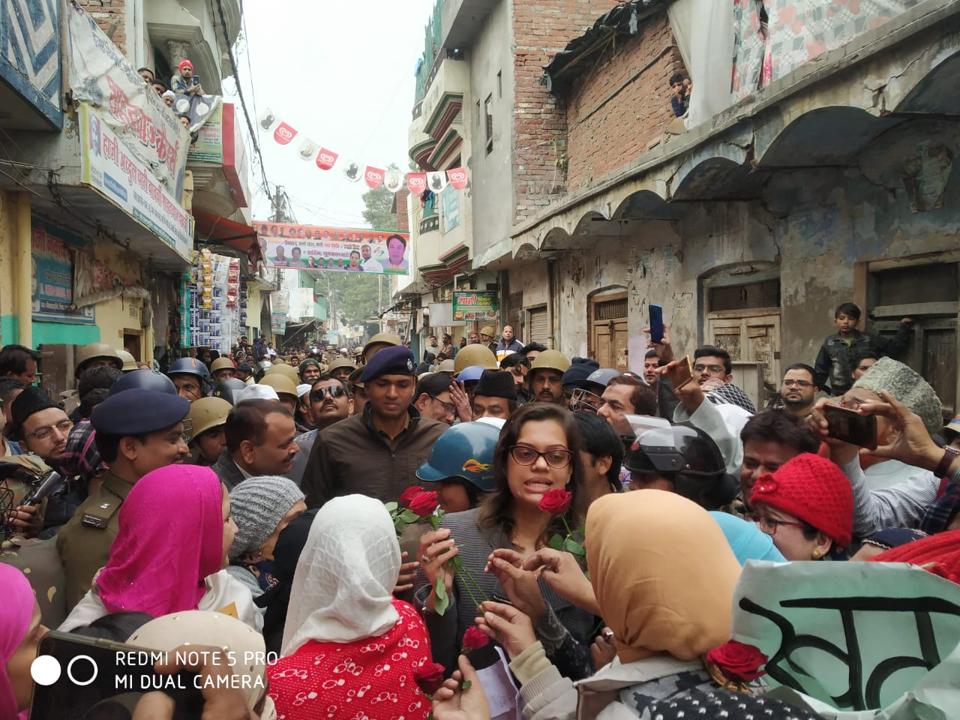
[334, 391]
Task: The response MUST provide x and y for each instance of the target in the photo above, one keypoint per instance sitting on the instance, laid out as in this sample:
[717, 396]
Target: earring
[816, 554]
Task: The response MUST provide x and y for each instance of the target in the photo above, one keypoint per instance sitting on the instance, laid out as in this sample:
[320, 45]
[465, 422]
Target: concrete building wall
[619, 108]
[541, 29]
[491, 189]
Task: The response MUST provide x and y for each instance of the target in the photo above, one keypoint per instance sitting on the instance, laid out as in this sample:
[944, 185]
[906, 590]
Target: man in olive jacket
[375, 453]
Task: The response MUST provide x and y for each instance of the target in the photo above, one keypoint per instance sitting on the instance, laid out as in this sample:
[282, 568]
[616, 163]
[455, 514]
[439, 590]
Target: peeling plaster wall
[816, 224]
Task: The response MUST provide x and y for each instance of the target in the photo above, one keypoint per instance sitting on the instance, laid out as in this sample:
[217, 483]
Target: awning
[237, 235]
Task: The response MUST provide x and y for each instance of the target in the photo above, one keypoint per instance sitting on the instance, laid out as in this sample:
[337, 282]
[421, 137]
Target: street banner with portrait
[311, 247]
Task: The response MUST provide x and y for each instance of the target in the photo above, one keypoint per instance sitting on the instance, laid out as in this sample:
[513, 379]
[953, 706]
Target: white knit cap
[256, 392]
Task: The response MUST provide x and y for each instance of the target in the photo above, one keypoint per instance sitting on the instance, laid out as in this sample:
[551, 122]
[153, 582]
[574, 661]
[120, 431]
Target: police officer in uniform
[137, 431]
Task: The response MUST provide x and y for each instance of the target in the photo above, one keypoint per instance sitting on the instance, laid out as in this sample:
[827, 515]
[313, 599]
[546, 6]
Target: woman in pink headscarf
[20, 634]
[170, 552]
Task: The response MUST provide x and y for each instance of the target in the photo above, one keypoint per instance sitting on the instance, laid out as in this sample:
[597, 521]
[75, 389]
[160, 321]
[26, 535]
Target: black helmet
[228, 389]
[144, 380]
[689, 458]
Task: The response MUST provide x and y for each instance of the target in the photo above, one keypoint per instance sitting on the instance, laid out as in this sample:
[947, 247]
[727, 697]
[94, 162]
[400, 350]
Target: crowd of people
[490, 530]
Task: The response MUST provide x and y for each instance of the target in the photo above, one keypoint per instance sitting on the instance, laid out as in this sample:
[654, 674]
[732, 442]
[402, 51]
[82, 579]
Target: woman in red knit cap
[806, 506]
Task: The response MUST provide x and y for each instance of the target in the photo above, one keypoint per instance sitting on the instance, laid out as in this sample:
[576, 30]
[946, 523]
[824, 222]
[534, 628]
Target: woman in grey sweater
[538, 451]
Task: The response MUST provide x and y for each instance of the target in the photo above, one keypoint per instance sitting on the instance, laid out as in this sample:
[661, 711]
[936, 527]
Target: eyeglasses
[334, 391]
[716, 369]
[447, 407]
[43, 433]
[797, 383]
[555, 457]
[769, 525]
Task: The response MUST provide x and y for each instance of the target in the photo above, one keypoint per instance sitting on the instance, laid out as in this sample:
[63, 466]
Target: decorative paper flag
[417, 183]
[374, 177]
[326, 159]
[307, 148]
[352, 171]
[393, 180]
[284, 134]
[458, 177]
[268, 119]
[436, 181]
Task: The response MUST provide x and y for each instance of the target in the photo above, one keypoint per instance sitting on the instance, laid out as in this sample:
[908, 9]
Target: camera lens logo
[81, 670]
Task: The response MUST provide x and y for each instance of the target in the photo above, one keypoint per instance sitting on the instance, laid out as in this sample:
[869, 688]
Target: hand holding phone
[679, 372]
[851, 427]
[656, 324]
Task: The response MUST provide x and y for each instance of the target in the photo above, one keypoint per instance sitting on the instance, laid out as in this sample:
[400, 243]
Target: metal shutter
[539, 326]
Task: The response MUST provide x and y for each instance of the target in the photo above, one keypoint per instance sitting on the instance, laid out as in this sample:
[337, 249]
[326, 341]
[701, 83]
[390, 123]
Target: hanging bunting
[307, 148]
[436, 181]
[284, 134]
[416, 183]
[268, 119]
[352, 170]
[326, 159]
[393, 180]
[457, 177]
[374, 177]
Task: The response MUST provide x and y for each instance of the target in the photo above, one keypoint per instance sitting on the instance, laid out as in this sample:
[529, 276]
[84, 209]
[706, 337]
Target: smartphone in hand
[656, 323]
[851, 427]
[681, 374]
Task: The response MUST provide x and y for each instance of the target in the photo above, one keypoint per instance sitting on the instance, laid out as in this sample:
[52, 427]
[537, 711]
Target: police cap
[137, 412]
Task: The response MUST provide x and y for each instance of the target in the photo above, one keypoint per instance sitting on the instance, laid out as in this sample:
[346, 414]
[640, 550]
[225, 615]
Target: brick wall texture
[619, 107]
[541, 29]
[110, 16]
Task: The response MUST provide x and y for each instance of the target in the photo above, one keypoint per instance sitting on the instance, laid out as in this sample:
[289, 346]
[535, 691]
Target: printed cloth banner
[100, 76]
[470, 305]
[108, 164]
[309, 247]
[854, 641]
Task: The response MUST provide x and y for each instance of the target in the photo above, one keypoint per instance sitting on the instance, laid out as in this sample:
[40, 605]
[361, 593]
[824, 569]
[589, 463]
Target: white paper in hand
[636, 352]
[502, 694]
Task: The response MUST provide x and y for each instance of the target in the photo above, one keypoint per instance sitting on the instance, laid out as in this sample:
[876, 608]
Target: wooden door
[608, 332]
[749, 336]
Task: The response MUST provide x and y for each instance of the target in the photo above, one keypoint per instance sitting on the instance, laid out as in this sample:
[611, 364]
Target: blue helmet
[189, 366]
[144, 380]
[463, 452]
[470, 373]
[192, 366]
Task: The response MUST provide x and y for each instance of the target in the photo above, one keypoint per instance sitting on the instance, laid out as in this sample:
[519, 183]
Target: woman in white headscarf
[348, 644]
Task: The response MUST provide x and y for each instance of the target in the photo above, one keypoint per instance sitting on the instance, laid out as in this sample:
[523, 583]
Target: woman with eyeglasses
[806, 506]
[538, 451]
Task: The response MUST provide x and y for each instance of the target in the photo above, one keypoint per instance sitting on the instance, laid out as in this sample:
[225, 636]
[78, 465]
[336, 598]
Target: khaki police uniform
[84, 542]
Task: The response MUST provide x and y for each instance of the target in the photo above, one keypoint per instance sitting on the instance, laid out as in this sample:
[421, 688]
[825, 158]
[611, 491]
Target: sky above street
[342, 74]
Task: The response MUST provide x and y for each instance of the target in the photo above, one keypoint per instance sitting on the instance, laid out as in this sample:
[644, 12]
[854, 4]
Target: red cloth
[370, 678]
[811, 489]
[939, 553]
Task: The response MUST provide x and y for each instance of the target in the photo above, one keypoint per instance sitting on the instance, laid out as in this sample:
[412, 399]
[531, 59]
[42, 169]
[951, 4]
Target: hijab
[16, 612]
[343, 587]
[197, 627]
[663, 574]
[746, 540]
[170, 539]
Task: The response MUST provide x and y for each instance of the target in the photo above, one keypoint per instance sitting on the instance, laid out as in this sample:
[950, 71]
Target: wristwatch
[949, 453]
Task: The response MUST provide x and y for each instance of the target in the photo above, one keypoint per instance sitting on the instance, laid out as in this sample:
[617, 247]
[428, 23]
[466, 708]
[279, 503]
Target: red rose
[424, 503]
[556, 501]
[409, 494]
[474, 639]
[429, 677]
[738, 661]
